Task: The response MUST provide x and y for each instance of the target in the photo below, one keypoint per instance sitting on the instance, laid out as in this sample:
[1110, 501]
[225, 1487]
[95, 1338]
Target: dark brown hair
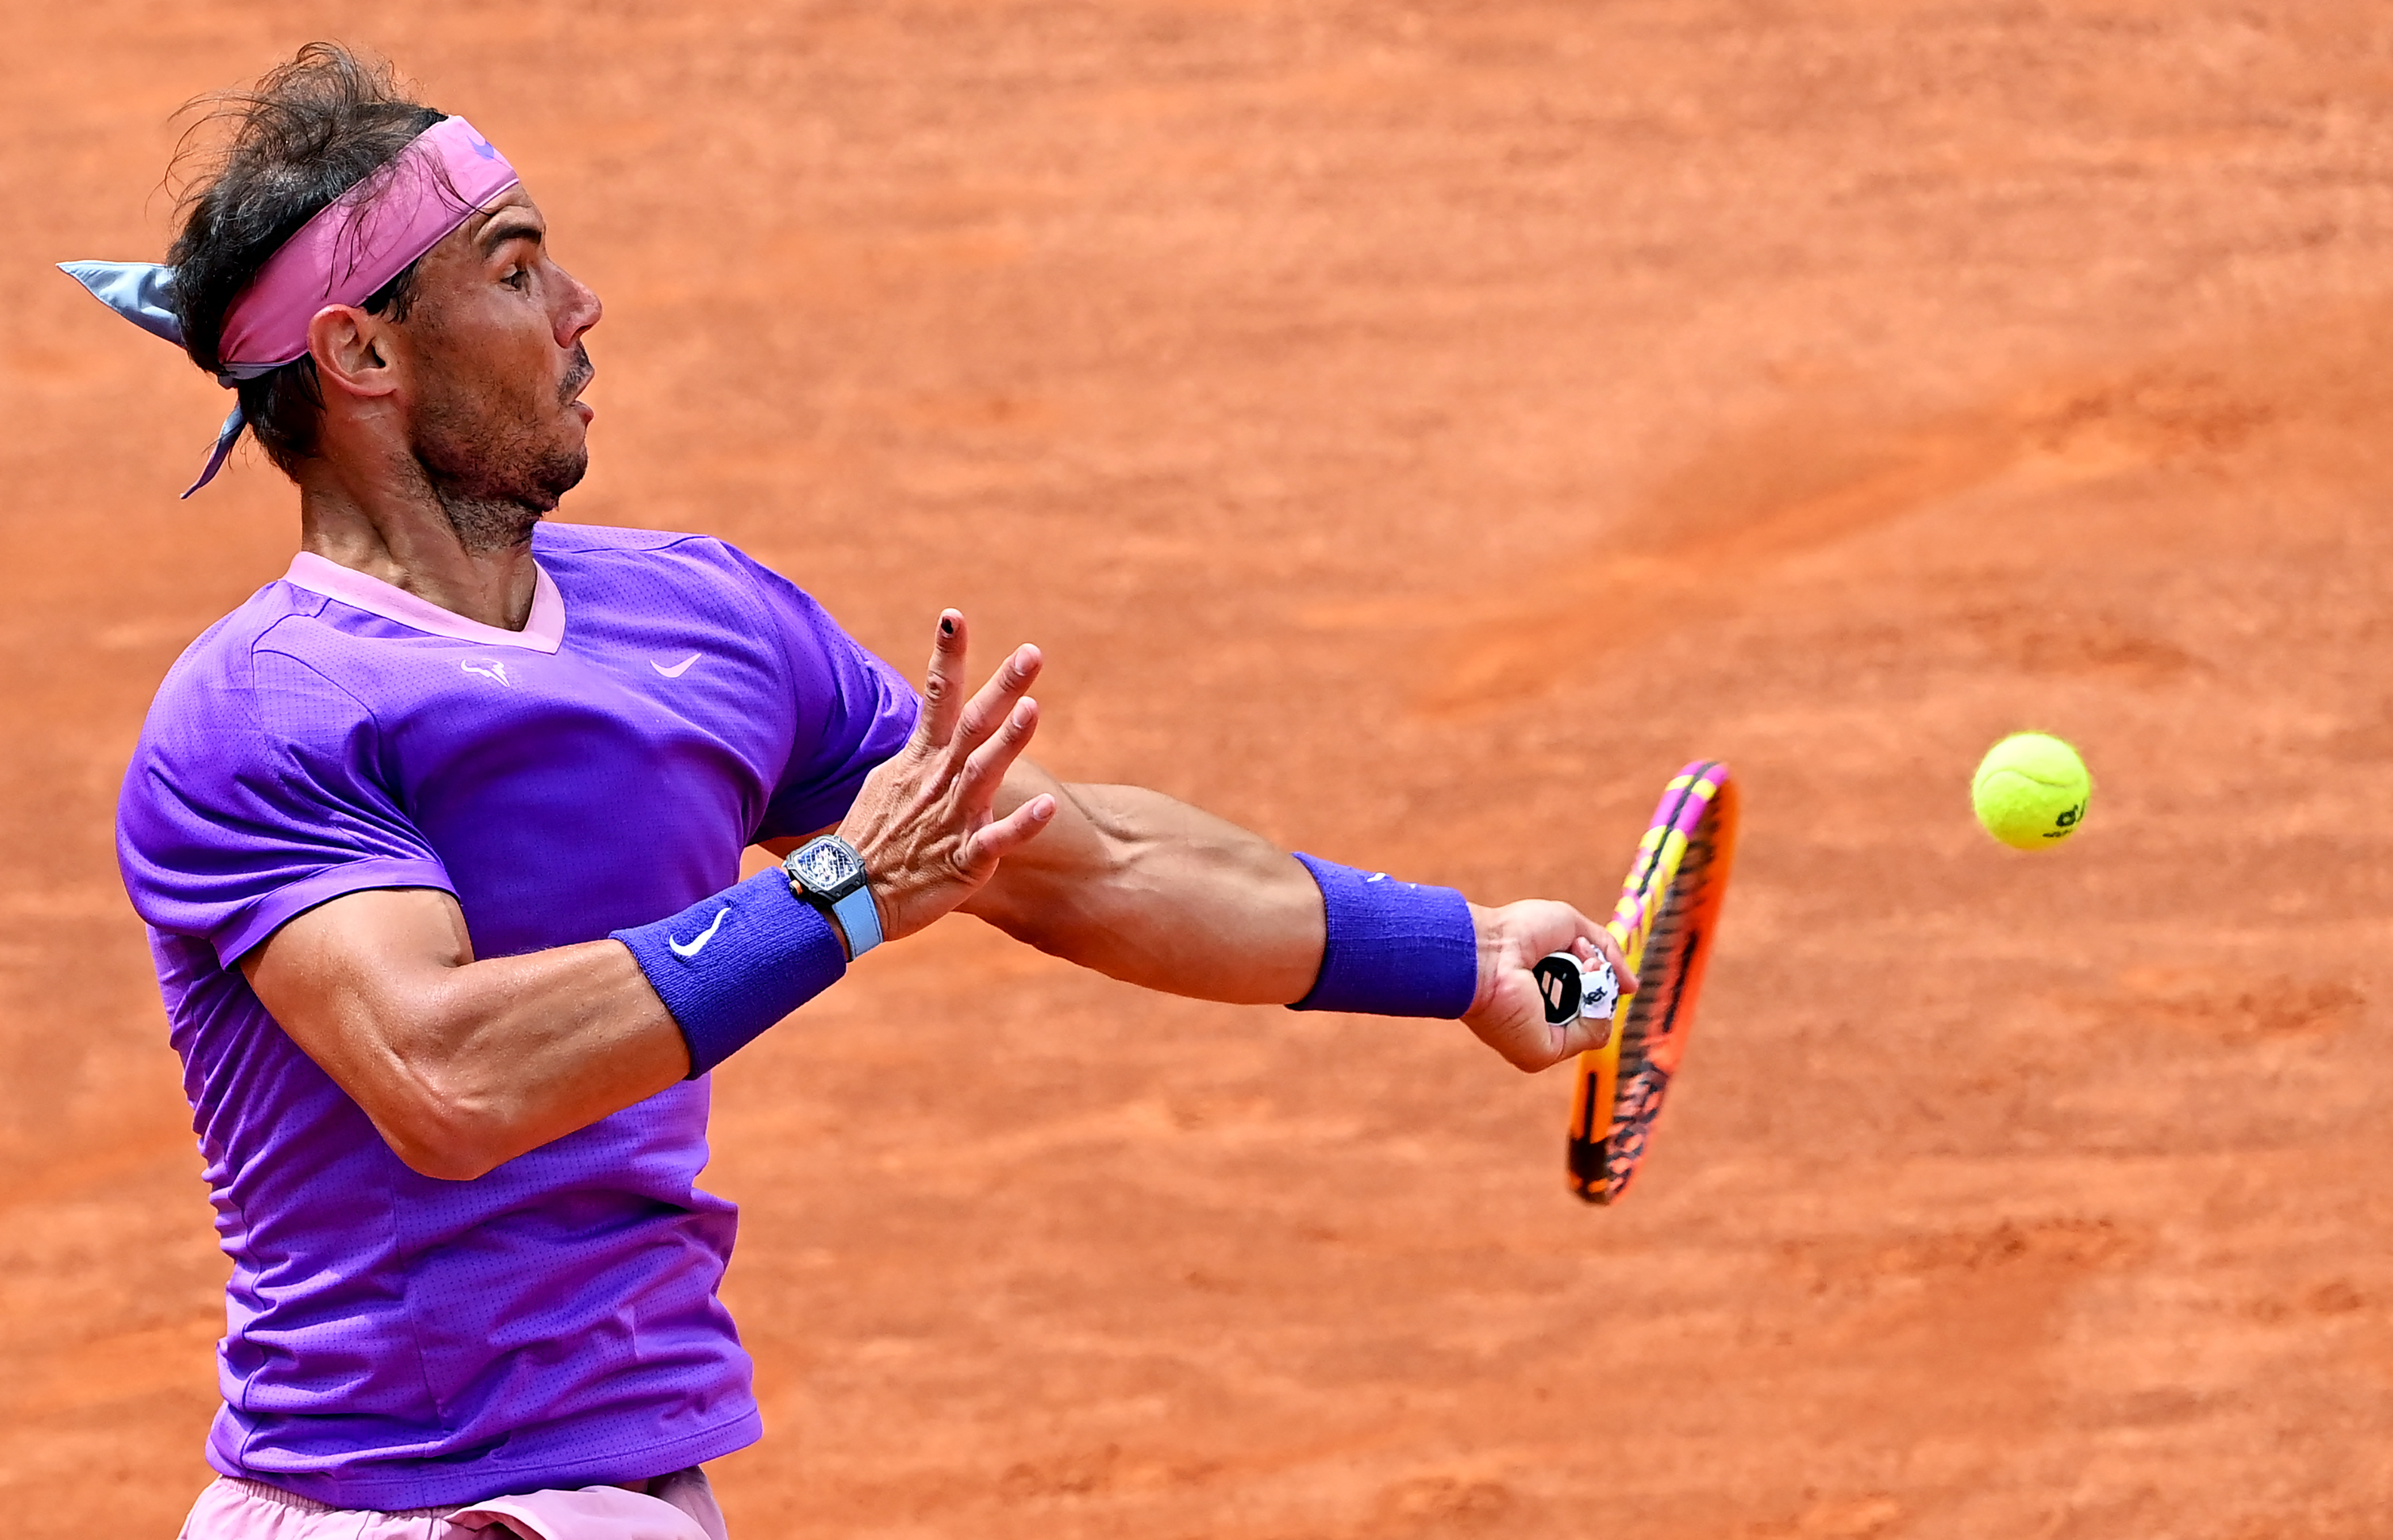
[305, 134]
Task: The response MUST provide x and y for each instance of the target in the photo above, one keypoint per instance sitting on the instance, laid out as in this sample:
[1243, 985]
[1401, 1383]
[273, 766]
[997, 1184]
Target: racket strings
[1654, 1015]
[1669, 944]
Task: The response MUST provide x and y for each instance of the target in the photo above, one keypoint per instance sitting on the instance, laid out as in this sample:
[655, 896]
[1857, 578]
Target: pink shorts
[682, 1508]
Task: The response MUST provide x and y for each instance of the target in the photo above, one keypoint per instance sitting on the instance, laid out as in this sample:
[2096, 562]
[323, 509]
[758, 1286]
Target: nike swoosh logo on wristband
[696, 944]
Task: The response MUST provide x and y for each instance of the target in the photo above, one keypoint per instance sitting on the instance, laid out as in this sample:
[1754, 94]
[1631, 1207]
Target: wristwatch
[829, 873]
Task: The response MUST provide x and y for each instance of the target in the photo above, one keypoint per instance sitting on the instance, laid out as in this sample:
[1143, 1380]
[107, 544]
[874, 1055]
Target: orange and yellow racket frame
[1669, 911]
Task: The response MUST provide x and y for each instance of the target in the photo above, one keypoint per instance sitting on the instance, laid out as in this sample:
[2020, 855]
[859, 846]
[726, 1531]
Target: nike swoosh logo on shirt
[696, 944]
[677, 669]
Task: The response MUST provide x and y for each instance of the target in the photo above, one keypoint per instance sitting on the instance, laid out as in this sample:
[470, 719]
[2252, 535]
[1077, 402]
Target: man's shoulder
[245, 688]
[222, 659]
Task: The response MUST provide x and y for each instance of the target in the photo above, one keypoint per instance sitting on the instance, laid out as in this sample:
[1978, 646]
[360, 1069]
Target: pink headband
[352, 247]
[361, 240]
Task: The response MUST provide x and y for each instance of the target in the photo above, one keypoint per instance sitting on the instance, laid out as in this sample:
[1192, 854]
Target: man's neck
[411, 542]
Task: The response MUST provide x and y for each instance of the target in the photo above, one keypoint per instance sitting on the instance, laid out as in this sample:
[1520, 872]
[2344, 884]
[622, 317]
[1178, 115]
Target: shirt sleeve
[853, 711]
[256, 795]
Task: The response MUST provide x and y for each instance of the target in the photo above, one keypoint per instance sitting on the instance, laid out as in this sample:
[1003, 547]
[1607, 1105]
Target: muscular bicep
[345, 980]
[461, 1065]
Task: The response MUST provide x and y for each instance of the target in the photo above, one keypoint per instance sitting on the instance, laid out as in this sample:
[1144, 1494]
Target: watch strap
[859, 919]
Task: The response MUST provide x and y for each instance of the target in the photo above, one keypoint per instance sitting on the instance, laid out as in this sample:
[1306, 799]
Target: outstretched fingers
[926, 819]
[980, 740]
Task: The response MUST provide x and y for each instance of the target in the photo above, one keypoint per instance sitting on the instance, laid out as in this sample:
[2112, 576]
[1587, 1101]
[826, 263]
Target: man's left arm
[1151, 890]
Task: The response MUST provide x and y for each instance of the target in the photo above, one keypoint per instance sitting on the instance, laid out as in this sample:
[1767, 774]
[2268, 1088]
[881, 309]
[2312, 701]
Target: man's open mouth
[577, 379]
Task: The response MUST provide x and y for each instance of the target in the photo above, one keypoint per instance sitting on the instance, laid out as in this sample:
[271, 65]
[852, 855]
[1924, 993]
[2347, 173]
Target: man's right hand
[463, 1065]
[924, 821]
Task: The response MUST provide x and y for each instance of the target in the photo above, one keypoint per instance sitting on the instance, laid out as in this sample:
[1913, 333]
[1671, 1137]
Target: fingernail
[947, 625]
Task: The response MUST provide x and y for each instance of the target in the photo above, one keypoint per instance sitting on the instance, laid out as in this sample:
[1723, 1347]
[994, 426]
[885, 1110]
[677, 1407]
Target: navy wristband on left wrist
[730, 966]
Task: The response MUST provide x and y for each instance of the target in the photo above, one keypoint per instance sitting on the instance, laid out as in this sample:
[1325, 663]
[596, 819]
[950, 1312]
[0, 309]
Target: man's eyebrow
[506, 226]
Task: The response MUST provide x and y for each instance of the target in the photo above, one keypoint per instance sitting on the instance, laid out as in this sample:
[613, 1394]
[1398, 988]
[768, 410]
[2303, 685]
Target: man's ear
[351, 350]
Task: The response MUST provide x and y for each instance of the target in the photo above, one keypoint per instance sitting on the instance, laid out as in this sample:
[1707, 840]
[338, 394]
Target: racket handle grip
[1570, 988]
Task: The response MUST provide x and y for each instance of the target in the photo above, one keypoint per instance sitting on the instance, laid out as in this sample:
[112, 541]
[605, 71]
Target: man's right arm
[461, 1064]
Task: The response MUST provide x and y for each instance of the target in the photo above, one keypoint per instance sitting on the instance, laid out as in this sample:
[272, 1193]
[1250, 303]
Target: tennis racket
[1668, 911]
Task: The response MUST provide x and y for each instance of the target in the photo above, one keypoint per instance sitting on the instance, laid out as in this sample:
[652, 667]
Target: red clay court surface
[1413, 433]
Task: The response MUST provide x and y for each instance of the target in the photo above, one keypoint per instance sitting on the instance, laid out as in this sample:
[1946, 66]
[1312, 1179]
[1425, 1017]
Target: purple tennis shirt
[393, 1340]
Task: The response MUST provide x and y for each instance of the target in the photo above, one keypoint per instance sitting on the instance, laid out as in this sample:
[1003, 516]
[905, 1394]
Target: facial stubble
[495, 476]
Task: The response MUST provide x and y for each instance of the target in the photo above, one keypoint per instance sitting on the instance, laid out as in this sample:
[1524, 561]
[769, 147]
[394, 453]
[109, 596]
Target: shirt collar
[543, 631]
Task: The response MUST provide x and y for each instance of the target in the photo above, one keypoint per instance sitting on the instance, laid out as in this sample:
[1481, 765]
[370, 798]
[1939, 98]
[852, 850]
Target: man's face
[496, 365]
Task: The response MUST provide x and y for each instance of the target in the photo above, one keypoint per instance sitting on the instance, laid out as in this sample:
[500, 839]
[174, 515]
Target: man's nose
[580, 313]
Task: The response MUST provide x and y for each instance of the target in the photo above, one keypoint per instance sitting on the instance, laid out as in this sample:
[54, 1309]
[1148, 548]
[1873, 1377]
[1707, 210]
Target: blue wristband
[1394, 948]
[730, 966]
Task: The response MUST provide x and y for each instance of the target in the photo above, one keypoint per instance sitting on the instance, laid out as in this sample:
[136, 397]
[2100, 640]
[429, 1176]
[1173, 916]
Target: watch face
[827, 867]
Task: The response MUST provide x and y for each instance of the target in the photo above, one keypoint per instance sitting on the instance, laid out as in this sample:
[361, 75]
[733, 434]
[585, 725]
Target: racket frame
[1699, 802]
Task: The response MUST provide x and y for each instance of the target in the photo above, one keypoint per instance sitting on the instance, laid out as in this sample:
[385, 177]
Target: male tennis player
[437, 840]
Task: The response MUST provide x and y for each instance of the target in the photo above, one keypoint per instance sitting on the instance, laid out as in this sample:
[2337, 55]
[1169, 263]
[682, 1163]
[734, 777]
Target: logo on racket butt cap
[1568, 987]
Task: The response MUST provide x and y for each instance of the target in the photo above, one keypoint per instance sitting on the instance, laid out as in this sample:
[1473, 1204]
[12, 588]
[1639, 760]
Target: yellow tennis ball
[2031, 790]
